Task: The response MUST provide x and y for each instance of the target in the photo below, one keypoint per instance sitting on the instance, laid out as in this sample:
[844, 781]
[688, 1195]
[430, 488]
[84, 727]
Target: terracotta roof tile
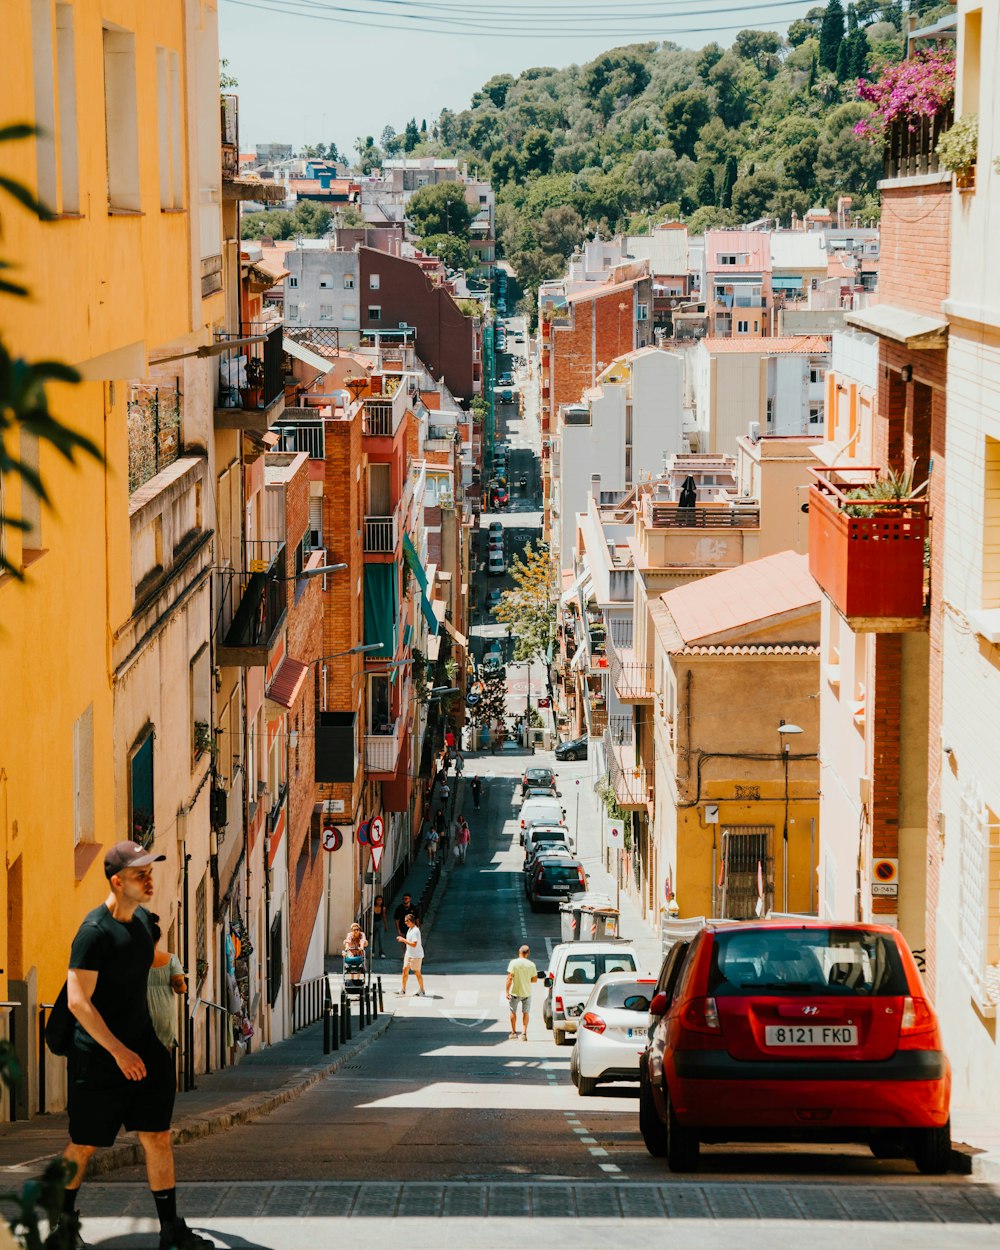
[738, 597]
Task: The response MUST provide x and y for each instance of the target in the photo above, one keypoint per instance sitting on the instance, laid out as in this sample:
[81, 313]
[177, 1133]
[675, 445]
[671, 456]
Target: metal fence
[154, 430]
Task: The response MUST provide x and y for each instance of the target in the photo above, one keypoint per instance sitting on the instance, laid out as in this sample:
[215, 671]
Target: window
[274, 956]
[816, 374]
[845, 962]
[121, 121]
[349, 313]
[168, 116]
[979, 874]
[727, 260]
[200, 696]
[991, 524]
[83, 777]
[292, 280]
[54, 72]
[815, 414]
[31, 505]
[742, 327]
[315, 522]
[326, 312]
[373, 281]
[374, 312]
[325, 280]
[293, 312]
[643, 313]
[348, 281]
[140, 788]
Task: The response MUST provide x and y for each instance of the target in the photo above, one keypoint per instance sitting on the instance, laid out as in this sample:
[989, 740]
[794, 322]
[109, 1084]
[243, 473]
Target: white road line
[609, 1167]
[598, 1150]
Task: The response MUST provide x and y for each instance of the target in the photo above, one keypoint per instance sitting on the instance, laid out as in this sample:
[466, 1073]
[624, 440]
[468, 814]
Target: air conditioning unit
[753, 431]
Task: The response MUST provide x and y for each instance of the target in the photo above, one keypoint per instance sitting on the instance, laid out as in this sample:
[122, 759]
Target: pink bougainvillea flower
[922, 86]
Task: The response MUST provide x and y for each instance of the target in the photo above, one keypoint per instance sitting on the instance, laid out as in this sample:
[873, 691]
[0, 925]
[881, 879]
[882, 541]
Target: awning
[913, 330]
[381, 608]
[312, 359]
[459, 637]
[412, 559]
[786, 282]
[579, 659]
[573, 589]
[287, 682]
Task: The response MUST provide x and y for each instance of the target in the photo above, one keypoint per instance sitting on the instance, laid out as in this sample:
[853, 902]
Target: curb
[192, 1127]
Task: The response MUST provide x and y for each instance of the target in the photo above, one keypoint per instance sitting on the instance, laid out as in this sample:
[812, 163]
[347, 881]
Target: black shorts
[102, 1100]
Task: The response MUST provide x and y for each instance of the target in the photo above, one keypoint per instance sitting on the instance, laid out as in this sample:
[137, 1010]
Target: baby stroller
[355, 971]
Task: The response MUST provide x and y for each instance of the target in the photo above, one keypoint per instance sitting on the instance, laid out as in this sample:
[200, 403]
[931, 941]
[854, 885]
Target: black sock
[69, 1200]
[166, 1205]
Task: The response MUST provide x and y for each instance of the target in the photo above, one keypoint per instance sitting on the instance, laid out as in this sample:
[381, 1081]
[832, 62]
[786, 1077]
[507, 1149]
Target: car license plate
[811, 1035]
[637, 1032]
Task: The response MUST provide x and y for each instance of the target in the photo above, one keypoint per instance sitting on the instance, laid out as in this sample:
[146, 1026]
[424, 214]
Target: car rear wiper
[804, 986]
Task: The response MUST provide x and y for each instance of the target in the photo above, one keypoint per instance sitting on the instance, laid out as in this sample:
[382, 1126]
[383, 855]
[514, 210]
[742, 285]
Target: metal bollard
[381, 1000]
[361, 1011]
[335, 1027]
[368, 1006]
[326, 1030]
[373, 1008]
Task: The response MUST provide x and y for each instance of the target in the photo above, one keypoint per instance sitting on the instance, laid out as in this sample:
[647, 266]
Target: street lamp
[785, 730]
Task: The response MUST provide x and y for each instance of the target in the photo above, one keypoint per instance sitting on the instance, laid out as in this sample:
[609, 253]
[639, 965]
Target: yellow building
[736, 725]
[126, 274]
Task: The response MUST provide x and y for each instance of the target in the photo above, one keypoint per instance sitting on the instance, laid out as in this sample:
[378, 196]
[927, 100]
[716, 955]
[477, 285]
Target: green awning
[417, 569]
[381, 608]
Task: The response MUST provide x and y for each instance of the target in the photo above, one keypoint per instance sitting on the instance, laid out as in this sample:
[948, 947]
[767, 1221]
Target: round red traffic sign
[332, 838]
[376, 831]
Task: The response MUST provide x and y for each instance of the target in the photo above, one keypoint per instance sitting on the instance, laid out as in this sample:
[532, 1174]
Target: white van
[543, 810]
[574, 970]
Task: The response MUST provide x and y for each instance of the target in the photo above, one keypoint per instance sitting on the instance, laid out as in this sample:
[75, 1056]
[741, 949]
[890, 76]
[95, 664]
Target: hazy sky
[311, 79]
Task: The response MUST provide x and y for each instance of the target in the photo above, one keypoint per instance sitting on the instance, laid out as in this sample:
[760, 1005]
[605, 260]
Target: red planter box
[871, 567]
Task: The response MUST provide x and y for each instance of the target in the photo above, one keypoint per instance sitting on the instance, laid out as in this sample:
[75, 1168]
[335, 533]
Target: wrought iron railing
[252, 375]
[380, 534]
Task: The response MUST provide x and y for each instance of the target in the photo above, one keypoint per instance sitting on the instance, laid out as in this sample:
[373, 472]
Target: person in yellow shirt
[521, 975]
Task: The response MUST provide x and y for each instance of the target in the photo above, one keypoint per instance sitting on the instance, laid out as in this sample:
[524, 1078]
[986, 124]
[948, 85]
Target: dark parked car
[806, 1031]
[541, 776]
[553, 879]
[573, 749]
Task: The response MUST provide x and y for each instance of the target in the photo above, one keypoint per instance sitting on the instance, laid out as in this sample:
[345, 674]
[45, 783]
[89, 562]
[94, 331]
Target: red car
[801, 1031]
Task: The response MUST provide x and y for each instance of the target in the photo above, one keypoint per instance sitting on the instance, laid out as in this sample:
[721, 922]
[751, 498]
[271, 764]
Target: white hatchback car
[613, 1031]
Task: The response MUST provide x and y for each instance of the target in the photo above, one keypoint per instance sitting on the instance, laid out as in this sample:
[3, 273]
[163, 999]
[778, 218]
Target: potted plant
[958, 148]
[251, 394]
[889, 487]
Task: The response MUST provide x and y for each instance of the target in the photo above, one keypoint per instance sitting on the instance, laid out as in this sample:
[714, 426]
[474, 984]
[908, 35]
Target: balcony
[629, 780]
[872, 567]
[909, 153]
[262, 591]
[381, 534]
[633, 680]
[383, 414]
[667, 514]
[251, 379]
[382, 751]
[306, 434]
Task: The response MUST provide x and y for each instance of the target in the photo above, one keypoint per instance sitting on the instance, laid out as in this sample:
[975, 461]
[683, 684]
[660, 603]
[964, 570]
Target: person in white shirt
[413, 956]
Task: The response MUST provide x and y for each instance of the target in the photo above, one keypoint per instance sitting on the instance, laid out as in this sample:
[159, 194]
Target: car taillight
[592, 1022]
[582, 875]
[918, 1029]
[700, 1015]
[559, 1002]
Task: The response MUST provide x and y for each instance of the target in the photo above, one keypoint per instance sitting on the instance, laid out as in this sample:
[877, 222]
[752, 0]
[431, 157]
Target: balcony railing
[633, 680]
[230, 106]
[628, 778]
[382, 751]
[306, 434]
[381, 534]
[621, 730]
[262, 591]
[871, 566]
[909, 153]
[154, 430]
[251, 378]
[382, 414]
[670, 515]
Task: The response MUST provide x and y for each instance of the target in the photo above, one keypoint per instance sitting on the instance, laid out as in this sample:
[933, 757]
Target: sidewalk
[262, 1081]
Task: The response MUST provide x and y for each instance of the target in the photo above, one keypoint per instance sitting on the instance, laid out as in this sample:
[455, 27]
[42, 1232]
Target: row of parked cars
[780, 1030]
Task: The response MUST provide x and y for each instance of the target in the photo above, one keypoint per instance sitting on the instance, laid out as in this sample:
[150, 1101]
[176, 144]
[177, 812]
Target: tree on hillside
[390, 141]
[684, 115]
[831, 35]
[411, 135]
[752, 194]
[537, 152]
[307, 220]
[505, 166]
[530, 608]
[656, 177]
[807, 27]
[560, 230]
[440, 209]
[710, 55]
[453, 251]
[705, 190]
[729, 175]
[761, 47]
[369, 155]
[621, 73]
[495, 91]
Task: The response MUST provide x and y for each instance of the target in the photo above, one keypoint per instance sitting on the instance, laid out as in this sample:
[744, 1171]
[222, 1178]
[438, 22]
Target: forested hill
[651, 131]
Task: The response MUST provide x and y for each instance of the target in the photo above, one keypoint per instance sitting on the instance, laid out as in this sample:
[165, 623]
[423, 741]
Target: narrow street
[445, 1116]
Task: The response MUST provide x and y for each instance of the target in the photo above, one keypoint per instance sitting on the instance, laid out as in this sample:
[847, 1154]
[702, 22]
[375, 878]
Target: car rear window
[848, 962]
[585, 969]
[560, 872]
[628, 995]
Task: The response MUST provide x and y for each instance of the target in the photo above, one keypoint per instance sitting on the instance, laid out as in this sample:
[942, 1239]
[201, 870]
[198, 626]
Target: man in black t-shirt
[405, 908]
[120, 1074]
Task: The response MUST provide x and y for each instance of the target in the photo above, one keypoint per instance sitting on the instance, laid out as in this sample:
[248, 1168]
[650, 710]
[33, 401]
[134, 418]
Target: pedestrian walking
[477, 791]
[459, 764]
[521, 975]
[404, 909]
[462, 838]
[120, 1073]
[380, 923]
[432, 840]
[413, 955]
